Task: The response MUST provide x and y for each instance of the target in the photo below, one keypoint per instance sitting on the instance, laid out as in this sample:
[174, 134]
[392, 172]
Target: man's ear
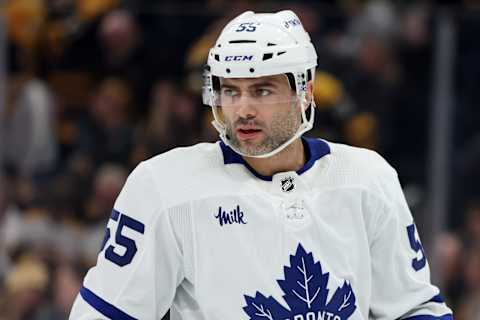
[310, 87]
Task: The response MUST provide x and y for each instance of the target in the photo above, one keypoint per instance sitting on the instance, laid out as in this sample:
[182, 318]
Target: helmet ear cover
[215, 83]
[291, 81]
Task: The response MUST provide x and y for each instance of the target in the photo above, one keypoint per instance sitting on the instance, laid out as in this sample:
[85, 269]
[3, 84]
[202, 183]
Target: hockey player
[265, 224]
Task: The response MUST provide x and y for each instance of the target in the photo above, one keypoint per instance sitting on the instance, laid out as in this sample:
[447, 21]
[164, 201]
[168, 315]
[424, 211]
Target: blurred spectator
[377, 17]
[66, 285]
[413, 103]
[28, 223]
[25, 22]
[91, 9]
[27, 139]
[68, 42]
[208, 133]
[472, 224]
[163, 100]
[468, 73]
[124, 54]
[336, 112]
[469, 170]
[26, 287]
[470, 306]
[372, 84]
[4, 260]
[186, 119]
[3, 195]
[107, 183]
[174, 118]
[362, 130]
[119, 37]
[28, 227]
[106, 134]
[449, 249]
[360, 55]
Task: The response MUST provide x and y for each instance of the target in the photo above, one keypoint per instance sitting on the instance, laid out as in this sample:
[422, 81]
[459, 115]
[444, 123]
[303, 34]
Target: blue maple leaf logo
[305, 292]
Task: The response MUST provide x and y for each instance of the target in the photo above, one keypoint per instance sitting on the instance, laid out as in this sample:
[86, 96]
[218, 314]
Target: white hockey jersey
[196, 230]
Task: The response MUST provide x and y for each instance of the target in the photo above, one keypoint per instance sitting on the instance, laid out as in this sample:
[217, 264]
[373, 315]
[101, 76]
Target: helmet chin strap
[305, 126]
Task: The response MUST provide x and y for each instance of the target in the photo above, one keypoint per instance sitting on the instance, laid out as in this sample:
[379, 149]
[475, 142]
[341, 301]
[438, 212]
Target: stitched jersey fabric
[197, 231]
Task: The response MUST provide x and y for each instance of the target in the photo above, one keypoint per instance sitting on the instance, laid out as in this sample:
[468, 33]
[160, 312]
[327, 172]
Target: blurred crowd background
[89, 88]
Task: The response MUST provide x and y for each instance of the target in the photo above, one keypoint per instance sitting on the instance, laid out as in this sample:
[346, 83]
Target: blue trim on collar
[438, 298]
[315, 148]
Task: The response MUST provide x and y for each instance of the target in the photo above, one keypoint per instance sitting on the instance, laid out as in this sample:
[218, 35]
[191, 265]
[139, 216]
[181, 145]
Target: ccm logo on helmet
[238, 58]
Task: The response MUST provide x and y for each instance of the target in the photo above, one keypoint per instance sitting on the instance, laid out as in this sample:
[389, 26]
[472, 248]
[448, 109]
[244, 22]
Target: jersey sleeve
[139, 265]
[401, 287]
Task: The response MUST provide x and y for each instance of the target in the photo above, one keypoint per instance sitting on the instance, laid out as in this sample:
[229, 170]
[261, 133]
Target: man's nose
[246, 107]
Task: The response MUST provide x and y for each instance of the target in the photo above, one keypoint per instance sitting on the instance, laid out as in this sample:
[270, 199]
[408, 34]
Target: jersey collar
[316, 149]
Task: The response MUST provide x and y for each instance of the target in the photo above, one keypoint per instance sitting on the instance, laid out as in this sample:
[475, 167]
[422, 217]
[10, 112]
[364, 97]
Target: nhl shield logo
[288, 184]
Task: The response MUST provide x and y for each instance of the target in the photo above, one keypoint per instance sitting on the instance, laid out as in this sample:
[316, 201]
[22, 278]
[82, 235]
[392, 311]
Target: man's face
[260, 114]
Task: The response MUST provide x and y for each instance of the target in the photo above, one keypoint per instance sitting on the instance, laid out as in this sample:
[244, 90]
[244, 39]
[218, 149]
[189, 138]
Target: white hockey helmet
[262, 44]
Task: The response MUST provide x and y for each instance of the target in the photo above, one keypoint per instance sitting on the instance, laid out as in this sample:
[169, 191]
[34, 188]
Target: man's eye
[263, 92]
[229, 92]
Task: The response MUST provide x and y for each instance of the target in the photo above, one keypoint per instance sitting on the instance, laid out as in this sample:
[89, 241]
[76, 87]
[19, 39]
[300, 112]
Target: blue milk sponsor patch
[305, 292]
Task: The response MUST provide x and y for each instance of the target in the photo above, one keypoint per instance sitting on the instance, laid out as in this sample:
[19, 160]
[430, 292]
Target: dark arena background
[89, 88]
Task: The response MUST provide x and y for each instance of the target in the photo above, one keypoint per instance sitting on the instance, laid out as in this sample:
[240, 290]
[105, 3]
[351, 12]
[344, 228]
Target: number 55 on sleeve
[131, 280]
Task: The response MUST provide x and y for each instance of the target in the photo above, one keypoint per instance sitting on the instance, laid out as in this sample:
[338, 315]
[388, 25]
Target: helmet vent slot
[281, 52]
[217, 57]
[267, 56]
[271, 44]
[242, 41]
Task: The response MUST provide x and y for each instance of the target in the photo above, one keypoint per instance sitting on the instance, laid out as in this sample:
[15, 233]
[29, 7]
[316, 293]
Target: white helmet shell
[262, 44]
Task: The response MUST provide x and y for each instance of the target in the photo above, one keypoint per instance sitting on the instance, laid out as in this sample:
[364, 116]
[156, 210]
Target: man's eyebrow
[228, 86]
[266, 83]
